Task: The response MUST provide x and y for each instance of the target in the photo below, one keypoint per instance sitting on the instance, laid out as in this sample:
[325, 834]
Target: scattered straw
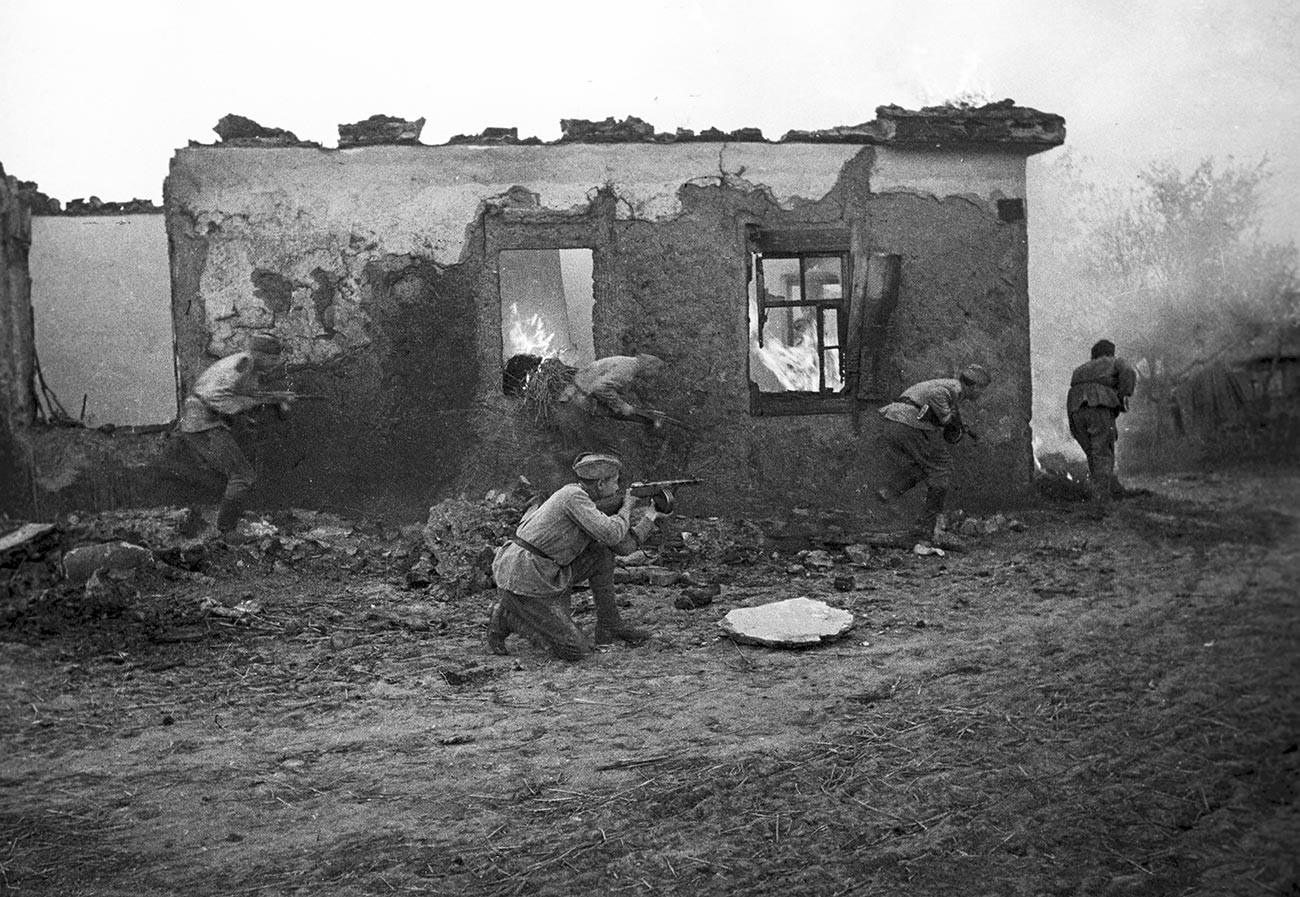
[546, 387]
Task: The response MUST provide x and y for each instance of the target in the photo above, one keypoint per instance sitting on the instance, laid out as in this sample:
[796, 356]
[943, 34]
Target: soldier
[1099, 393]
[601, 388]
[221, 394]
[919, 426]
[565, 541]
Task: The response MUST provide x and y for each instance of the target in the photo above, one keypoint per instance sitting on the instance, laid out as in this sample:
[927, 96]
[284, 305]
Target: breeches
[548, 622]
[1093, 427]
[913, 456]
[217, 450]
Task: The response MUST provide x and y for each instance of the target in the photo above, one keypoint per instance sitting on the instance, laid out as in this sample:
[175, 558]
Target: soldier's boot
[610, 625]
[1101, 484]
[928, 523]
[228, 515]
[498, 628]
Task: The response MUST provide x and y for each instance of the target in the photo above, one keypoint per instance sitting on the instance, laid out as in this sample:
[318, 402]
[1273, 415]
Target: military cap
[596, 466]
[977, 375]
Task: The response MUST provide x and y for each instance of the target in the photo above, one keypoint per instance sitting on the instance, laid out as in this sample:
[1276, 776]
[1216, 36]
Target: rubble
[28, 563]
[647, 574]
[462, 537]
[493, 137]
[793, 623]
[380, 129]
[696, 597]
[80, 564]
[629, 130]
[236, 130]
[858, 553]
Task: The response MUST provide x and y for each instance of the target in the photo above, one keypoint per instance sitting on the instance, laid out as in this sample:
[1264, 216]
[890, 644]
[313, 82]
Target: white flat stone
[793, 623]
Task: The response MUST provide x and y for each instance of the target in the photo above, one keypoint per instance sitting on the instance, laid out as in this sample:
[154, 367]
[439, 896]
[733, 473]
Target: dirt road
[1082, 708]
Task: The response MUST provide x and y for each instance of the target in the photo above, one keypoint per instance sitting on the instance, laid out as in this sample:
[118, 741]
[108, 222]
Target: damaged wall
[16, 342]
[376, 266]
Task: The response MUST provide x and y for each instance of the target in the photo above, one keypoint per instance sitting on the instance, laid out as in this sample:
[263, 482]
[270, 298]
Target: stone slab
[793, 623]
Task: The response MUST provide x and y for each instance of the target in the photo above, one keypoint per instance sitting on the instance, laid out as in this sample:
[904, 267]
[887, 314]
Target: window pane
[833, 379]
[781, 279]
[800, 347]
[822, 275]
[831, 323]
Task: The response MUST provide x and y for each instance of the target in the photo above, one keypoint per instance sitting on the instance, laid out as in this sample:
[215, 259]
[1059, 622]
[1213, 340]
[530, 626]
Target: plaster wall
[377, 267]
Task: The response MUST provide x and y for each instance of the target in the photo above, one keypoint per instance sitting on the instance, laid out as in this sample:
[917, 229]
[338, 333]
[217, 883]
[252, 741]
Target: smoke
[1174, 270]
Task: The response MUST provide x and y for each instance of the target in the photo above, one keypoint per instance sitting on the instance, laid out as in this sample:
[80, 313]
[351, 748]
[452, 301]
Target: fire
[795, 366]
[529, 337]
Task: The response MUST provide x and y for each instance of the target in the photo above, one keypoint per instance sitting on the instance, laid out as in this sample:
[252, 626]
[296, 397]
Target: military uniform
[221, 393]
[1099, 390]
[564, 542]
[918, 428]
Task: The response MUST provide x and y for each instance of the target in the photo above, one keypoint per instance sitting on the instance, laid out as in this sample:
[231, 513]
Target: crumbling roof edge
[1000, 126]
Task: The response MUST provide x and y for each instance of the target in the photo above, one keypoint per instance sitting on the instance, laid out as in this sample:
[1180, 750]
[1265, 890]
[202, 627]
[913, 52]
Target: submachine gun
[660, 492]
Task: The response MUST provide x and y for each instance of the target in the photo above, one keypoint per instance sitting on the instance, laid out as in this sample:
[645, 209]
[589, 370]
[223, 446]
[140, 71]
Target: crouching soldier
[222, 394]
[919, 426]
[563, 542]
[604, 388]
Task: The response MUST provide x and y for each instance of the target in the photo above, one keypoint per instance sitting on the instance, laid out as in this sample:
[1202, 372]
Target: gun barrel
[654, 487]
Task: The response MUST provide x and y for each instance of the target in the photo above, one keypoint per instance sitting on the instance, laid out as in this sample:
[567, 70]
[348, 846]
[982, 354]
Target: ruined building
[792, 287]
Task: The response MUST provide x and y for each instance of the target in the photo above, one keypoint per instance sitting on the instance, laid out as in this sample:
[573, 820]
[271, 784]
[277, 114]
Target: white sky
[96, 94]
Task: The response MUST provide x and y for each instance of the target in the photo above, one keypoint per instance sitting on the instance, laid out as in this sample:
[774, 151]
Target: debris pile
[28, 564]
[462, 536]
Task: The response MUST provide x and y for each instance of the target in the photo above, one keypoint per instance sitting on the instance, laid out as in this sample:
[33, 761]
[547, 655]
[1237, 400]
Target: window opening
[798, 321]
[101, 297]
[546, 306]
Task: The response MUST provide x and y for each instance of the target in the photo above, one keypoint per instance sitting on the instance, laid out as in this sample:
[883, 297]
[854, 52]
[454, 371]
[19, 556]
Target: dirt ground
[1083, 707]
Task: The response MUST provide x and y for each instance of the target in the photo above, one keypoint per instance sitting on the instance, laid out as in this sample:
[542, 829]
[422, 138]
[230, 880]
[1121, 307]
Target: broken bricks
[697, 597]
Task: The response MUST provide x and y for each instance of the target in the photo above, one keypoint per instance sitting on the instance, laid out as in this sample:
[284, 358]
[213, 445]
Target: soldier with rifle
[602, 388]
[569, 539]
[919, 426]
[222, 395]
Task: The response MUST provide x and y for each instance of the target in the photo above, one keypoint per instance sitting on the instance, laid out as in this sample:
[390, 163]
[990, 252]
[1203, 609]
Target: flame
[529, 337]
[1037, 448]
[795, 366]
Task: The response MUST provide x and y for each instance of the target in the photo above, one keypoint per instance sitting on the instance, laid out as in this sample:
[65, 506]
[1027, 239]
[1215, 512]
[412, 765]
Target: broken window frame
[803, 244]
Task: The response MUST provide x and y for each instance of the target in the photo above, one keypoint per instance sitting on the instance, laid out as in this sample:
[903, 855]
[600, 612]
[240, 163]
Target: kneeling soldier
[565, 541]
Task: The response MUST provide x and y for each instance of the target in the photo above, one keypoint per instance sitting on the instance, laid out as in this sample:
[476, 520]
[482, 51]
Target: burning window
[546, 302]
[798, 319]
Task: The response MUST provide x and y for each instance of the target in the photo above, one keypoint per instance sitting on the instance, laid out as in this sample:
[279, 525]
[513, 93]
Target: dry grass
[546, 387]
